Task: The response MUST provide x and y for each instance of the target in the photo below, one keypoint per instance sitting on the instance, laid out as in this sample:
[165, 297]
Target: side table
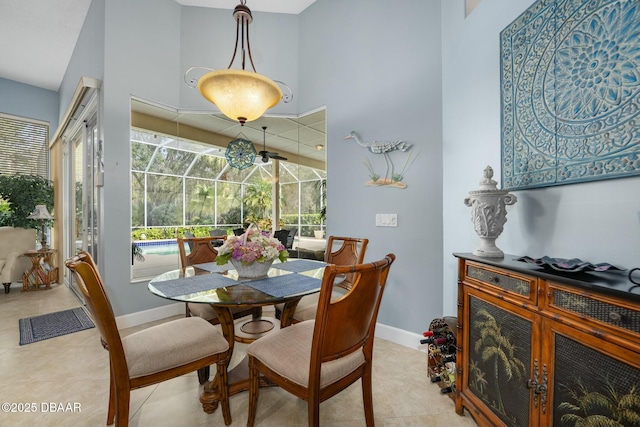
[42, 271]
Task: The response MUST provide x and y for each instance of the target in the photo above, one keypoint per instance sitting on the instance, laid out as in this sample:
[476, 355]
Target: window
[180, 183]
[181, 179]
[24, 146]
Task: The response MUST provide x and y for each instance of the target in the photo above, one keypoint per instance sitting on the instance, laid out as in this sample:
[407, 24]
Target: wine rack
[441, 353]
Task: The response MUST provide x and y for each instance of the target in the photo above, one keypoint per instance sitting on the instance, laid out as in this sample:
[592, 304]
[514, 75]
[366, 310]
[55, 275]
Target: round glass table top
[220, 285]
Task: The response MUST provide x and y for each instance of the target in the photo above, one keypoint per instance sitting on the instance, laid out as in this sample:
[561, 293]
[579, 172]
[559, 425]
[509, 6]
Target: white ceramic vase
[254, 270]
[488, 214]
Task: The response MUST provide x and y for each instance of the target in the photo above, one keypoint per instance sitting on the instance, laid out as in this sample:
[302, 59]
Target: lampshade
[239, 94]
[40, 212]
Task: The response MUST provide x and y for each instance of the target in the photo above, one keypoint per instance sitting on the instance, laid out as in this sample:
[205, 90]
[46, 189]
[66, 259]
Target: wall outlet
[386, 220]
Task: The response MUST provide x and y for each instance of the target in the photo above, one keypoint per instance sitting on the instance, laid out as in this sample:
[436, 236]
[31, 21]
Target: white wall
[88, 55]
[598, 222]
[134, 53]
[376, 66]
[28, 101]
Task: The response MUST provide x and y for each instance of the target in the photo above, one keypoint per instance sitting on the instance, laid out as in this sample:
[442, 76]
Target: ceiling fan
[266, 155]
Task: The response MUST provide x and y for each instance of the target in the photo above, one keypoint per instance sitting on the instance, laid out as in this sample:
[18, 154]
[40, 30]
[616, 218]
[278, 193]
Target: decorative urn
[488, 214]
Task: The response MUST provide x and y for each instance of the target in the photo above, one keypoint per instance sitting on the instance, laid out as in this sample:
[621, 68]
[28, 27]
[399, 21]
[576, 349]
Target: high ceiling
[38, 36]
[38, 39]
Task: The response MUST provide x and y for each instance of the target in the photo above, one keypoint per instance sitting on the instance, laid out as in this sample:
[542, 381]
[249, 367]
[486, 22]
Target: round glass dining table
[219, 286]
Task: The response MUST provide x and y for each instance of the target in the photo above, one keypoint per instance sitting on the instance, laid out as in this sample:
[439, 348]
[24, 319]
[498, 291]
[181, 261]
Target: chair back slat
[202, 250]
[351, 251]
[347, 324]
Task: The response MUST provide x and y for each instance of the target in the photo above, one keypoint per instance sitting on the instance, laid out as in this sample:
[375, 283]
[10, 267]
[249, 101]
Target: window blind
[24, 146]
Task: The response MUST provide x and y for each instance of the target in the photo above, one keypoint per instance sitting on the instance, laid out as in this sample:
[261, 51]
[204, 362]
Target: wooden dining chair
[339, 251]
[326, 355]
[202, 251]
[152, 355]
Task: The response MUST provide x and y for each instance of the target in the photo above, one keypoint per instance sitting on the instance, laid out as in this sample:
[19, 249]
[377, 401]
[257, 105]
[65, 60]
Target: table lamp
[41, 213]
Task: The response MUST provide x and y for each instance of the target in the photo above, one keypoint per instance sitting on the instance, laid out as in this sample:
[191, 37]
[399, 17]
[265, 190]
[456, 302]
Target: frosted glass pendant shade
[241, 95]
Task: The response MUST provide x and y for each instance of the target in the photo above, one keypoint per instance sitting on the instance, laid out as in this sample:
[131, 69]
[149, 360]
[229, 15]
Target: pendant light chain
[249, 50]
[243, 17]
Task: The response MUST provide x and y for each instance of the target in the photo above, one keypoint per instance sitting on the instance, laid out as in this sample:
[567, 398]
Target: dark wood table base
[238, 380]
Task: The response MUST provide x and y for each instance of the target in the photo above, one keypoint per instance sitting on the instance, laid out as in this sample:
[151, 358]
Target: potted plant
[20, 194]
[136, 253]
[251, 253]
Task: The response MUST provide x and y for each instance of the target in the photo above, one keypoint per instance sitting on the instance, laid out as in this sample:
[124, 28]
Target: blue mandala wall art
[570, 89]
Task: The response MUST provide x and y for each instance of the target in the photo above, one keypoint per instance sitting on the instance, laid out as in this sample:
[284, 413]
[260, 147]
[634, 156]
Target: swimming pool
[158, 247]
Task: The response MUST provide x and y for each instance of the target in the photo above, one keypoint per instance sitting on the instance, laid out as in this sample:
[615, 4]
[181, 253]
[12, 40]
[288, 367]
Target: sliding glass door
[82, 155]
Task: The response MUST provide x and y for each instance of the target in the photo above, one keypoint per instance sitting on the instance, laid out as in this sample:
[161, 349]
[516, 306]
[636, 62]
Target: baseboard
[389, 333]
[151, 315]
[399, 336]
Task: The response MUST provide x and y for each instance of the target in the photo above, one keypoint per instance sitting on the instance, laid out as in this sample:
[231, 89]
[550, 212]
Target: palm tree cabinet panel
[538, 347]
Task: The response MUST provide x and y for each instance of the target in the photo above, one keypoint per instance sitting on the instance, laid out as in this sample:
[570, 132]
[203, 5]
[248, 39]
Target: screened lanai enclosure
[182, 179]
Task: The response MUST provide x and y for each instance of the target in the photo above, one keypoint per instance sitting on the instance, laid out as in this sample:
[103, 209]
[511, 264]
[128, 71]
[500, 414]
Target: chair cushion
[207, 312]
[204, 311]
[288, 353]
[171, 344]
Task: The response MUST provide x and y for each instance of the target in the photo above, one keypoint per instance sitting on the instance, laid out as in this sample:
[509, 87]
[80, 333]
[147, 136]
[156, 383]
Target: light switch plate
[386, 220]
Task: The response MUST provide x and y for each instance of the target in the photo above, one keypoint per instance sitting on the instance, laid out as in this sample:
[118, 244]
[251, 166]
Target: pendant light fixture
[240, 94]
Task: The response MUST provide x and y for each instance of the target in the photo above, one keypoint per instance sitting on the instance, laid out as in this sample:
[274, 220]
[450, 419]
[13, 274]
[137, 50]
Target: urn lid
[487, 184]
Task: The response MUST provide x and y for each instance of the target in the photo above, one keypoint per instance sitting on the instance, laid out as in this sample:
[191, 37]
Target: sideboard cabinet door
[590, 382]
[498, 365]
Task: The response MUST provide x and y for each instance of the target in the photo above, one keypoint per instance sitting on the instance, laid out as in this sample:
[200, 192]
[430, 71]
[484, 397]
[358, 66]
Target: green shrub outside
[309, 223]
[20, 194]
[161, 233]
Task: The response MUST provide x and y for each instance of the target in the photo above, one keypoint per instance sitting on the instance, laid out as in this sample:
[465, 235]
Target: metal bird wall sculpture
[384, 148]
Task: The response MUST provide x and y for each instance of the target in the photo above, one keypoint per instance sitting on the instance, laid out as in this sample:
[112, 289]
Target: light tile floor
[74, 369]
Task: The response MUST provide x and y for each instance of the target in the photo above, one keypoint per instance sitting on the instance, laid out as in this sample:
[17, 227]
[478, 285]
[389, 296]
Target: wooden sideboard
[538, 347]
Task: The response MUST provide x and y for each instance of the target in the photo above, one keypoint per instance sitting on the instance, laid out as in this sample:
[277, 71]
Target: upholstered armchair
[14, 242]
